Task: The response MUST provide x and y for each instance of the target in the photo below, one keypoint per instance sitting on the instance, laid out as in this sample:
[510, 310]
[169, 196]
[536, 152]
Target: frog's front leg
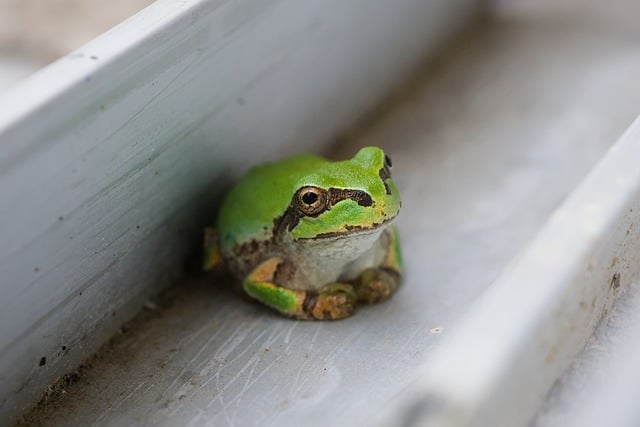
[332, 302]
[378, 283]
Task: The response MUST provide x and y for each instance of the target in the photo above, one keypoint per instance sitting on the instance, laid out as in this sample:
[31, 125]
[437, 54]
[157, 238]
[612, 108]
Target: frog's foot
[334, 301]
[210, 251]
[375, 285]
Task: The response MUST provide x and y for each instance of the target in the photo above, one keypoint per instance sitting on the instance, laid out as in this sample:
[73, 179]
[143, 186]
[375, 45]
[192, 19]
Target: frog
[309, 237]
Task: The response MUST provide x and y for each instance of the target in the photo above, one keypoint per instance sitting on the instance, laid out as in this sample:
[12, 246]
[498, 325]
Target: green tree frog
[312, 238]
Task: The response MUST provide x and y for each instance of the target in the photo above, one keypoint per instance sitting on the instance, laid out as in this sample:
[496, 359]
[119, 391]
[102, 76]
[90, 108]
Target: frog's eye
[311, 200]
[387, 161]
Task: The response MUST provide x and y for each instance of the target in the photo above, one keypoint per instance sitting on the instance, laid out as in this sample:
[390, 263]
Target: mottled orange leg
[332, 302]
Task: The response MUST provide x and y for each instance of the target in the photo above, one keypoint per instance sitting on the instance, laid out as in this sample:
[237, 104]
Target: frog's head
[343, 198]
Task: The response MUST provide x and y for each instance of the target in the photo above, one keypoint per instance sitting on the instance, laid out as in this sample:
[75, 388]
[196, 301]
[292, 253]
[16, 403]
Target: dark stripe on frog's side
[249, 254]
[361, 197]
[292, 215]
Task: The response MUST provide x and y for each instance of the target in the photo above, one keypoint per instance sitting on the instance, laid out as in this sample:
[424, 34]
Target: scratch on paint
[296, 387]
[116, 409]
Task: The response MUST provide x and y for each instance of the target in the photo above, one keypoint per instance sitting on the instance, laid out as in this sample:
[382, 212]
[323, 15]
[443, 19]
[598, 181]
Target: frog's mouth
[352, 230]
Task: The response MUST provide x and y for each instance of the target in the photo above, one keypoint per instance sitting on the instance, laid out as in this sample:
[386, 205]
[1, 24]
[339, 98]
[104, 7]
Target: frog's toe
[333, 302]
[376, 285]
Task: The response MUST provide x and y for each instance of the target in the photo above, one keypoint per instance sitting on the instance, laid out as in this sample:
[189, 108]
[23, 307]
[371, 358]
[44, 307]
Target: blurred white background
[34, 33]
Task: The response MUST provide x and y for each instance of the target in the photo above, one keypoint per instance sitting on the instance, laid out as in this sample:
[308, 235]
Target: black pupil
[387, 160]
[309, 198]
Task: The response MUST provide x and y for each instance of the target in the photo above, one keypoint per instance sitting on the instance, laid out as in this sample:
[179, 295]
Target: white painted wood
[111, 159]
[485, 148]
[602, 386]
[527, 328]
